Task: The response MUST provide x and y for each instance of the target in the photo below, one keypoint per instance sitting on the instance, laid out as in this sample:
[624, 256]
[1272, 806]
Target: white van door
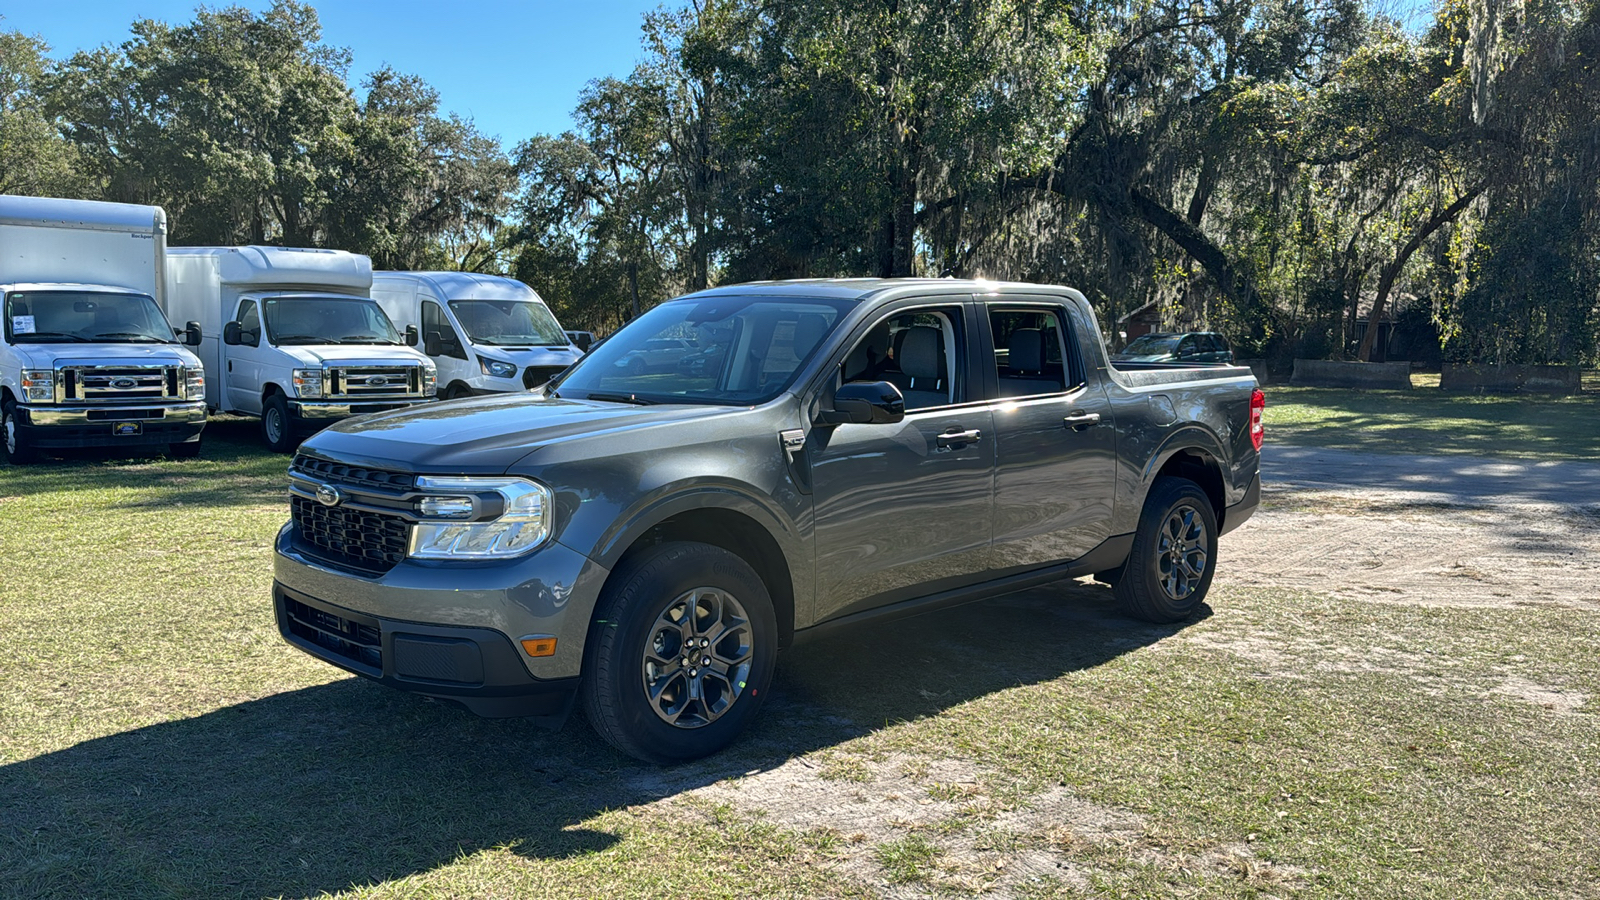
[242, 371]
[451, 356]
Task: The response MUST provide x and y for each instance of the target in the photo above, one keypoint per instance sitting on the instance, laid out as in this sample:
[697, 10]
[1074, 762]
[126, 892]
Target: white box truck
[487, 334]
[294, 337]
[88, 357]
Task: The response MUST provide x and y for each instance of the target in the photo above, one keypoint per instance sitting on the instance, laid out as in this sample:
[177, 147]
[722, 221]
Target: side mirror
[433, 345]
[191, 334]
[583, 341]
[230, 334]
[411, 335]
[866, 403]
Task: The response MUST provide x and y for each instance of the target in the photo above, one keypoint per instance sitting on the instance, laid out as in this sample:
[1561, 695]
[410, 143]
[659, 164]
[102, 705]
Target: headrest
[1025, 350]
[921, 353]
[871, 352]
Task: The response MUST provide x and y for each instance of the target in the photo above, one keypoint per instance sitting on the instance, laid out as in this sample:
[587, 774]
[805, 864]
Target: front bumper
[490, 607]
[102, 426]
[328, 411]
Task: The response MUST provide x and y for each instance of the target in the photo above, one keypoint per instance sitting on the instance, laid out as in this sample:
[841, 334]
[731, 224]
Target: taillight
[1258, 405]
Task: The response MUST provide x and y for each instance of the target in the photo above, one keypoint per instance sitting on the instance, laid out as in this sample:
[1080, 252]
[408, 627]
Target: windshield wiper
[618, 398]
[136, 337]
[305, 339]
[364, 339]
[55, 334]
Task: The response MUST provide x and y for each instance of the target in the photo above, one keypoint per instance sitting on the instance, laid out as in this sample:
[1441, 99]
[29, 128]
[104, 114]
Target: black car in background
[1185, 347]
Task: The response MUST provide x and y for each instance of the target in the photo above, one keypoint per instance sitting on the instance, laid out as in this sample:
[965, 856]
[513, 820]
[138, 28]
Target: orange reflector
[539, 645]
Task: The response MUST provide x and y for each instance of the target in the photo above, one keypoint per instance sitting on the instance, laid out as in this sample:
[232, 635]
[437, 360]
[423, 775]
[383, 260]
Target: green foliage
[34, 159]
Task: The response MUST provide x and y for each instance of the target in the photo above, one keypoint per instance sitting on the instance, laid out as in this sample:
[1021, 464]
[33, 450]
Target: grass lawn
[1427, 421]
[158, 739]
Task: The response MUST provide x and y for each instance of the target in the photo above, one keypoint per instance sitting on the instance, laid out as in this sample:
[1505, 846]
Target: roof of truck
[865, 288]
[465, 285]
[81, 213]
[261, 266]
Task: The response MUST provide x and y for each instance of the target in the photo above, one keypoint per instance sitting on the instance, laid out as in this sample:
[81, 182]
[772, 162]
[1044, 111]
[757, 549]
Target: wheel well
[740, 535]
[1202, 469]
[268, 391]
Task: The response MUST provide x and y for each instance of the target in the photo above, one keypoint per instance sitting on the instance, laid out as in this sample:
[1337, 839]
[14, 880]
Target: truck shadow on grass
[350, 784]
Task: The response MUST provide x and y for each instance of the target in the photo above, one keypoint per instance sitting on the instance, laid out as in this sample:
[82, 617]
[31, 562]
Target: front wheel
[680, 654]
[275, 425]
[1174, 553]
[17, 450]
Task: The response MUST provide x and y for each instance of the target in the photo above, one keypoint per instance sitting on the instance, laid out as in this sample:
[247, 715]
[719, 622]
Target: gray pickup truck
[842, 451]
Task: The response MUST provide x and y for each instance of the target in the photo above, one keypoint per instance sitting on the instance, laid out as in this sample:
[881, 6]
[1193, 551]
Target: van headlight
[512, 517]
[496, 368]
[430, 378]
[194, 383]
[308, 383]
[38, 386]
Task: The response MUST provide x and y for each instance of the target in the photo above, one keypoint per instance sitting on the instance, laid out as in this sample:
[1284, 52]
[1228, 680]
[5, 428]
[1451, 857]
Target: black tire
[13, 445]
[184, 450]
[455, 391]
[635, 621]
[277, 429]
[1174, 553]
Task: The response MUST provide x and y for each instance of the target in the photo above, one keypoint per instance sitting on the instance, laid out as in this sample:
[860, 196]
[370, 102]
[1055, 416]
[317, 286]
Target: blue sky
[514, 67]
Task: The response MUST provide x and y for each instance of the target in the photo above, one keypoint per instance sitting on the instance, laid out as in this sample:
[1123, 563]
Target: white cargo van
[88, 357]
[486, 333]
[293, 336]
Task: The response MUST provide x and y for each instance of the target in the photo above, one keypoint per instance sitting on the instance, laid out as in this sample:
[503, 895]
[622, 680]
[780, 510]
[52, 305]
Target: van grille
[376, 382]
[112, 384]
[366, 542]
[533, 376]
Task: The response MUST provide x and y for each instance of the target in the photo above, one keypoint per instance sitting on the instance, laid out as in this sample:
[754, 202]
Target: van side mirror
[866, 403]
[230, 334]
[191, 334]
[432, 344]
[583, 341]
[411, 335]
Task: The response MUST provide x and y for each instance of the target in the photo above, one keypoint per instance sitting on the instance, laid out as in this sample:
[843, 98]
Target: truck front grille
[374, 382]
[355, 641]
[366, 542]
[356, 476]
[112, 384]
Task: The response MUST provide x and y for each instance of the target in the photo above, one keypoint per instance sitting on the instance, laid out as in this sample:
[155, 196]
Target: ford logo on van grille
[123, 384]
[377, 381]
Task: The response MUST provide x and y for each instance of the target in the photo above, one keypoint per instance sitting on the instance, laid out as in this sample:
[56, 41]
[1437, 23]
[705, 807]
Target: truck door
[904, 510]
[242, 369]
[1055, 441]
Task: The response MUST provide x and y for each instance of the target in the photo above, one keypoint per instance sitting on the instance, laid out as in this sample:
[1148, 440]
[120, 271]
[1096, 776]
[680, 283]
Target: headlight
[38, 386]
[194, 383]
[496, 368]
[430, 379]
[308, 383]
[523, 523]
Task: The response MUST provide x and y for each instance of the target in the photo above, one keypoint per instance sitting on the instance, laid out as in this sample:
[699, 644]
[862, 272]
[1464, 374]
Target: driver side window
[249, 320]
[436, 328]
[919, 352]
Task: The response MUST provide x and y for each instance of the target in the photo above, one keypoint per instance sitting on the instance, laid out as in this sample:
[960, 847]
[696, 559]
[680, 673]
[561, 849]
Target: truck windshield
[327, 320]
[509, 323]
[723, 350]
[96, 317]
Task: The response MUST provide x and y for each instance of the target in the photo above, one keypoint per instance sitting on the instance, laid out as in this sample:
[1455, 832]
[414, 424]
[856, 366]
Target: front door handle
[1081, 420]
[955, 438]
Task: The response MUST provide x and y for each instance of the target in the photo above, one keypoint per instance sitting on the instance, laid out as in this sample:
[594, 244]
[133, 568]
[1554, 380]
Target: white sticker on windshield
[22, 325]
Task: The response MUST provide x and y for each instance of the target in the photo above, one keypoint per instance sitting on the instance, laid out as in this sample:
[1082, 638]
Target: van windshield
[327, 320]
[84, 317]
[723, 350]
[509, 323]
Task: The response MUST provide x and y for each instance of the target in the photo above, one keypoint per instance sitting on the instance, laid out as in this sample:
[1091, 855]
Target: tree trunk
[1390, 272]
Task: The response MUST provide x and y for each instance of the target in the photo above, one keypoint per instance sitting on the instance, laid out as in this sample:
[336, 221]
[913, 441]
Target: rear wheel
[12, 442]
[681, 653]
[1169, 569]
[275, 425]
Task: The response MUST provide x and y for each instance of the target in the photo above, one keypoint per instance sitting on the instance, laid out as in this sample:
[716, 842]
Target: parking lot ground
[1312, 734]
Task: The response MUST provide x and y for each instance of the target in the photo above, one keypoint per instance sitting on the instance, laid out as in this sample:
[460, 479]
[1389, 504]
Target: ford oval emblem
[328, 495]
[377, 381]
[123, 383]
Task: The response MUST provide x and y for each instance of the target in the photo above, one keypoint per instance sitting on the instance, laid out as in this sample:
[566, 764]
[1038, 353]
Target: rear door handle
[957, 438]
[1081, 420]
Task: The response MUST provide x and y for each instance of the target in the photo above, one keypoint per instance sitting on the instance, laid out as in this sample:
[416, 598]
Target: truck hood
[48, 356]
[318, 355]
[486, 435]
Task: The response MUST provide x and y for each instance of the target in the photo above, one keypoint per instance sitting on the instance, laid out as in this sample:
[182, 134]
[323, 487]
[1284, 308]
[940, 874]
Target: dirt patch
[1412, 548]
[1560, 701]
[917, 828]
